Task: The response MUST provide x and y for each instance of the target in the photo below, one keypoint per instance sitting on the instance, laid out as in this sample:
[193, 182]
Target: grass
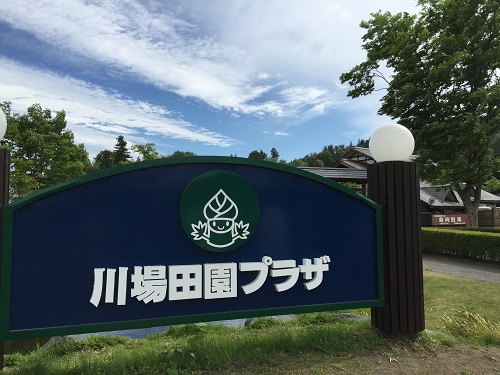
[201, 347]
[453, 307]
[469, 325]
[445, 294]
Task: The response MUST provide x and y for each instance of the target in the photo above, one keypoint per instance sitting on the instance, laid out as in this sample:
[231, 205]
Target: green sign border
[8, 213]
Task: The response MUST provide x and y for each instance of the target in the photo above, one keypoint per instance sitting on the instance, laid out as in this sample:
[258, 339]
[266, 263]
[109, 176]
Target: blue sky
[215, 77]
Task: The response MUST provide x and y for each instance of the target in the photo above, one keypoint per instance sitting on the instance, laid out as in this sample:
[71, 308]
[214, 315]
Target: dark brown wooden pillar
[395, 186]
[4, 200]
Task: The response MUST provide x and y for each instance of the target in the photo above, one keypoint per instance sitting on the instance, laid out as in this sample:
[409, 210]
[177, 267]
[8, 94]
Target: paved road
[462, 267]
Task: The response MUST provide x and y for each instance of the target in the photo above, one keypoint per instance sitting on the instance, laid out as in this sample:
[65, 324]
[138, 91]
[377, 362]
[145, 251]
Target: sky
[214, 77]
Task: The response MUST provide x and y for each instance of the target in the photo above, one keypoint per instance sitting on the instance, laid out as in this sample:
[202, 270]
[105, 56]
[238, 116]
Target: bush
[464, 243]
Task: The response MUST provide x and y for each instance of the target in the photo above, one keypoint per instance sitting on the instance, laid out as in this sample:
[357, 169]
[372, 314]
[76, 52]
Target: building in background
[439, 205]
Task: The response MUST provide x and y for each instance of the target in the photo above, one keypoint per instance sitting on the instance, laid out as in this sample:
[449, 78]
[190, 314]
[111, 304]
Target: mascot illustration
[221, 229]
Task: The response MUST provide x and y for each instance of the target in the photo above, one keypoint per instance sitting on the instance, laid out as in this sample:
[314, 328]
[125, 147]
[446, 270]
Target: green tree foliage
[261, 155]
[299, 163]
[146, 152]
[363, 143]
[121, 153]
[326, 156]
[492, 185]
[104, 159]
[274, 154]
[313, 160]
[255, 155]
[443, 86]
[339, 150]
[177, 154]
[43, 151]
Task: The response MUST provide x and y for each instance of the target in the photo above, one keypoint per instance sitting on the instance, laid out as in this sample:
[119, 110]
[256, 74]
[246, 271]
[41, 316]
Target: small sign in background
[450, 219]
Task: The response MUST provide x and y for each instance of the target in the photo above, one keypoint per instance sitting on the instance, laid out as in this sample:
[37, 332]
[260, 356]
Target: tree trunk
[472, 213]
[471, 197]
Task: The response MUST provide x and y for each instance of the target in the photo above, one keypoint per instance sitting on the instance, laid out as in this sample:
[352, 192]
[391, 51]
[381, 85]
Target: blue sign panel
[185, 240]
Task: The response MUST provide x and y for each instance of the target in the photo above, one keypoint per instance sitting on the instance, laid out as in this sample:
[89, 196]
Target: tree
[363, 143]
[146, 152]
[177, 154]
[274, 154]
[299, 163]
[121, 154]
[255, 155]
[104, 159]
[43, 152]
[325, 156]
[492, 185]
[312, 160]
[444, 87]
[331, 153]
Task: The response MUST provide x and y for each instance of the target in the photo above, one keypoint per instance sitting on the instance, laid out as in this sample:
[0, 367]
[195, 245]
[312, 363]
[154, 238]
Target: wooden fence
[489, 218]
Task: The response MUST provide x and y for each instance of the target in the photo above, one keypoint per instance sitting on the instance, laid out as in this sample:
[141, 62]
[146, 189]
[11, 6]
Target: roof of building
[446, 197]
[361, 155]
[443, 198]
[339, 174]
[488, 197]
[347, 163]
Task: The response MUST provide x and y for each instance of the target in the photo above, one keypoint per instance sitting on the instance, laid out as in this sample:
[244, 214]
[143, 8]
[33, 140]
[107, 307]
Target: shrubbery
[477, 244]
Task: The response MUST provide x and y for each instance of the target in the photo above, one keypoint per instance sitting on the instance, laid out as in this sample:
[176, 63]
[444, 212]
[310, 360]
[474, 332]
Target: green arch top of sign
[188, 160]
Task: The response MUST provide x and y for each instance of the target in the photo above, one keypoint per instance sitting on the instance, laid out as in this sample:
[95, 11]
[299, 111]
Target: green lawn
[444, 294]
[462, 309]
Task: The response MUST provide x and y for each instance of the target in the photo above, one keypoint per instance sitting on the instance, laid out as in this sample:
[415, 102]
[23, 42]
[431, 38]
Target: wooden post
[395, 186]
[4, 200]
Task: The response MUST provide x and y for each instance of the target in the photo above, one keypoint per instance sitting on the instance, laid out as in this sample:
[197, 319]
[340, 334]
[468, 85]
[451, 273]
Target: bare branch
[380, 75]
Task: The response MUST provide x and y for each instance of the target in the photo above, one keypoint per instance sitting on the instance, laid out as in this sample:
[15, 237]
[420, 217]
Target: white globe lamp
[3, 124]
[391, 143]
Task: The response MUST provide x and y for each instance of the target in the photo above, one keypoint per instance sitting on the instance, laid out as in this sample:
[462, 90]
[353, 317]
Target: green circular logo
[219, 211]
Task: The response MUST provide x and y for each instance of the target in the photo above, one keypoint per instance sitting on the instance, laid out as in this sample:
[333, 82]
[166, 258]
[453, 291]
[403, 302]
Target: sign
[185, 240]
[450, 219]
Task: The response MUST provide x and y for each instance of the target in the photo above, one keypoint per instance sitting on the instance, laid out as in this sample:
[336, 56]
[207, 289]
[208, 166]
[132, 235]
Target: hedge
[463, 243]
[479, 229]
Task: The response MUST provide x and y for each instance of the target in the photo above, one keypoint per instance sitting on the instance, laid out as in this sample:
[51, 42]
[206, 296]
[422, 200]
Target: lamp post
[4, 197]
[393, 182]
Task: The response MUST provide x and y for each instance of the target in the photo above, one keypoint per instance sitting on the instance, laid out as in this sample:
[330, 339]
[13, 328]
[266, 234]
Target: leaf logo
[219, 211]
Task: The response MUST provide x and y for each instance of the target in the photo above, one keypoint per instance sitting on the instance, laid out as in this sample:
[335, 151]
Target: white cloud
[277, 133]
[153, 45]
[262, 58]
[243, 43]
[312, 100]
[307, 44]
[298, 38]
[92, 112]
